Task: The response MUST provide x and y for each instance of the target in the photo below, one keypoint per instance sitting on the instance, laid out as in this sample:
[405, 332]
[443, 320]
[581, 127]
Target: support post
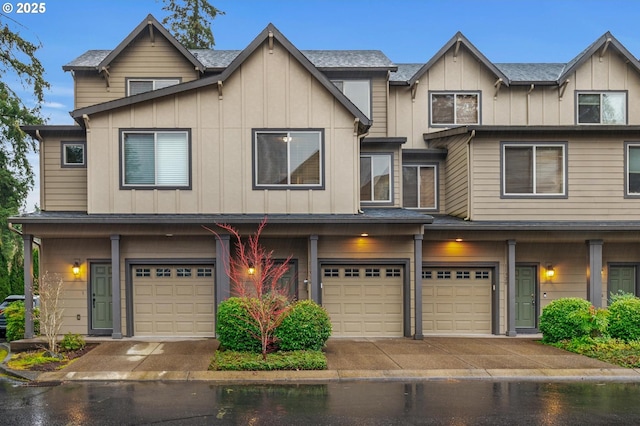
[511, 288]
[594, 273]
[115, 288]
[417, 274]
[27, 240]
[223, 264]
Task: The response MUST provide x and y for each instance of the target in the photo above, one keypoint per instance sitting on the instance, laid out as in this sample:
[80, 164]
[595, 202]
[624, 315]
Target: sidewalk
[434, 358]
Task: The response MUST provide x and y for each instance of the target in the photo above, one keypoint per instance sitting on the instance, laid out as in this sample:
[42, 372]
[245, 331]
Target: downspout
[468, 142]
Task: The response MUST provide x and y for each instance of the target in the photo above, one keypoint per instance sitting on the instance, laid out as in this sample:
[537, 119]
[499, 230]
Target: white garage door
[173, 300]
[456, 301]
[363, 300]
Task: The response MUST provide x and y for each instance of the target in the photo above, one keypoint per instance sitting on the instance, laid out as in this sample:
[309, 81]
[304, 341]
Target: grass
[30, 359]
[248, 361]
[607, 349]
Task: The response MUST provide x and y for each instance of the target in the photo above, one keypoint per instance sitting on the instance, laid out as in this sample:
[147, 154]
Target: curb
[20, 375]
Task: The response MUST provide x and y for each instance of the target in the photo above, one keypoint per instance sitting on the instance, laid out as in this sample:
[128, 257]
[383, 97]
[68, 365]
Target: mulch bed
[68, 356]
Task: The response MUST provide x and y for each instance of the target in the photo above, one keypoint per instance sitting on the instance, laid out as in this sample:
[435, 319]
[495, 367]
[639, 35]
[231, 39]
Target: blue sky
[405, 30]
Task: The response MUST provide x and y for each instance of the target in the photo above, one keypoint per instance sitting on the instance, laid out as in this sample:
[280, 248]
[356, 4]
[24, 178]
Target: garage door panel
[456, 300]
[363, 300]
[173, 300]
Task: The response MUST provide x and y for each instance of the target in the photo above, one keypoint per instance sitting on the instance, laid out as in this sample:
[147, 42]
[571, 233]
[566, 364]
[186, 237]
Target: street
[344, 403]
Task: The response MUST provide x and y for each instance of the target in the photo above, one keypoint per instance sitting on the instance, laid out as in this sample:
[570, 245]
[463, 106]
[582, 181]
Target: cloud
[55, 105]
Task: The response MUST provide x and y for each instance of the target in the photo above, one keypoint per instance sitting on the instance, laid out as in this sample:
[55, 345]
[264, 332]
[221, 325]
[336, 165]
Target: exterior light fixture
[550, 272]
[76, 269]
[251, 270]
[458, 240]
[364, 234]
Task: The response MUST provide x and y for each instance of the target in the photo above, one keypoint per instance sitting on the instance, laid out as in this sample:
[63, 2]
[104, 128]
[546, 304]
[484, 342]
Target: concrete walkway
[443, 358]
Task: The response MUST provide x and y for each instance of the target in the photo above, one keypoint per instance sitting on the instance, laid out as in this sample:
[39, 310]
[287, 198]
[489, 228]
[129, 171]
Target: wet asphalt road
[344, 403]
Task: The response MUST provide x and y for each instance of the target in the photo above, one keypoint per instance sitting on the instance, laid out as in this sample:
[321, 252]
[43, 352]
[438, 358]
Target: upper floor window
[141, 85]
[455, 108]
[633, 169]
[602, 108]
[375, 178]
[419, 187]
[152, 159]
[534, 169]
[73, 154]
[358, 92]
[288, 159]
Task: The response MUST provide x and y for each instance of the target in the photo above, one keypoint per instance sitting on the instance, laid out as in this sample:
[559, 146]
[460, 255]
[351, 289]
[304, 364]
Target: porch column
[314, 273]
[594, 273]
[417, 276]
[27, 240]
[511, 288]
[223, 286]
[115, 287]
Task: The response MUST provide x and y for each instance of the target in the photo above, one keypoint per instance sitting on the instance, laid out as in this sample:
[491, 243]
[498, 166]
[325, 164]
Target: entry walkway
[490, 358]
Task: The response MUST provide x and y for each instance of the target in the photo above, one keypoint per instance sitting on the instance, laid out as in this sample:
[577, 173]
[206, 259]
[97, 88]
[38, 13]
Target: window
[358, 92]
[73, 154]
[155, 159]
[288, 159]
[633, 169]
[455, 108]
[375, 178]
[602, 108]
[137, 86]
[419, 186]
[534, 169]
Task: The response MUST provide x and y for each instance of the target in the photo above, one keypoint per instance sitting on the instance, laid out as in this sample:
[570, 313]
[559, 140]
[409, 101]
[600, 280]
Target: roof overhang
[44, 131]
[529, 130]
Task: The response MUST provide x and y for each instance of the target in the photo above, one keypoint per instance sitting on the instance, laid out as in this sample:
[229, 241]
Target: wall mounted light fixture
[550, 272]
[76, 268]
[251, 270]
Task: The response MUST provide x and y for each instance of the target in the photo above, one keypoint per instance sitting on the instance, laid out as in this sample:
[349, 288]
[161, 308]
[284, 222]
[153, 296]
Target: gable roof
[606, 40]
[269, 32]
[105, 57]
[457, 40]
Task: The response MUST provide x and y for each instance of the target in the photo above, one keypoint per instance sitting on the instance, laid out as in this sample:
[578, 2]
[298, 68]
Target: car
[8, 300]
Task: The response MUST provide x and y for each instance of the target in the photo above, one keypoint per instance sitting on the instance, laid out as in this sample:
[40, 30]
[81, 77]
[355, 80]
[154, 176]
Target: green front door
[622, 278]
[525, 297]
[100, 297]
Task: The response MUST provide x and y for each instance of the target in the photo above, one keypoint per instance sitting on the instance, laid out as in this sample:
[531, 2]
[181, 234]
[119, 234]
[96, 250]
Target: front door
[100, 299]
[622, 279]
[526, 296]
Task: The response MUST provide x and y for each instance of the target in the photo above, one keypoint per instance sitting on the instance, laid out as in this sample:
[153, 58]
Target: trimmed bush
[566, 318]
[235, 329]
[14, 313]
[72, 342]
[306, 327]
[624, 318]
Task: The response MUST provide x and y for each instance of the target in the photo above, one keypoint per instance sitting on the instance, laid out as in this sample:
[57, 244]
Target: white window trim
[289, 185]
[155, 185]
[455, 99]
[435, 184]
[602, 93]
[389, 156]
[534, 145]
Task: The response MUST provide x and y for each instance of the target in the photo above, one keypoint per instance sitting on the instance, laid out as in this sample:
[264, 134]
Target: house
[456, 196]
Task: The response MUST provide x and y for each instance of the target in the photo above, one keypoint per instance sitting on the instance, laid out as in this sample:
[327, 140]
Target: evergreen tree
[16, 274]
[5, 288]
[190, 22]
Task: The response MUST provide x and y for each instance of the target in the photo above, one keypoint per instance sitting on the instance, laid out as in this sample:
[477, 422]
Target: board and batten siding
[269, 90]
[379, 100]
[141, 59]
[595, 184]
[61, 188]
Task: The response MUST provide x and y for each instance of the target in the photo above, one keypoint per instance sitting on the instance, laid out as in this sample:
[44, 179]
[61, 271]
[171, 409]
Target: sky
[407, 31]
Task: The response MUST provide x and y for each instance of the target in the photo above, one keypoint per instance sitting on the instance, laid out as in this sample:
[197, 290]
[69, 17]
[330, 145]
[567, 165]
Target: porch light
[251, 270]
[76, 269]
[550, 271]
[364, 234]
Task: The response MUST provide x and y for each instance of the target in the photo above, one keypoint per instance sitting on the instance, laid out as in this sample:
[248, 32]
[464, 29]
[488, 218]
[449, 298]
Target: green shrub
[72, 342]
[306, 327]
[567, 318]
[624, 318]
[14, 313]
[235, 329]
[243, 361]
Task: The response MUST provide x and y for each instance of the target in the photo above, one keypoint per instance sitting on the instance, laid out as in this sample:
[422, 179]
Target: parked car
[8, 300]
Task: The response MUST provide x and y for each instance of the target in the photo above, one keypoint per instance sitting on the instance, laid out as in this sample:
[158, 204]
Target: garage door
[363, 300]
[173, 300]
[456, 301]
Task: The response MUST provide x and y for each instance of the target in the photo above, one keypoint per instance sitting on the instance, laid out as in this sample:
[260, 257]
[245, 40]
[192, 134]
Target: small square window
[455, 108]
[73, 154]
